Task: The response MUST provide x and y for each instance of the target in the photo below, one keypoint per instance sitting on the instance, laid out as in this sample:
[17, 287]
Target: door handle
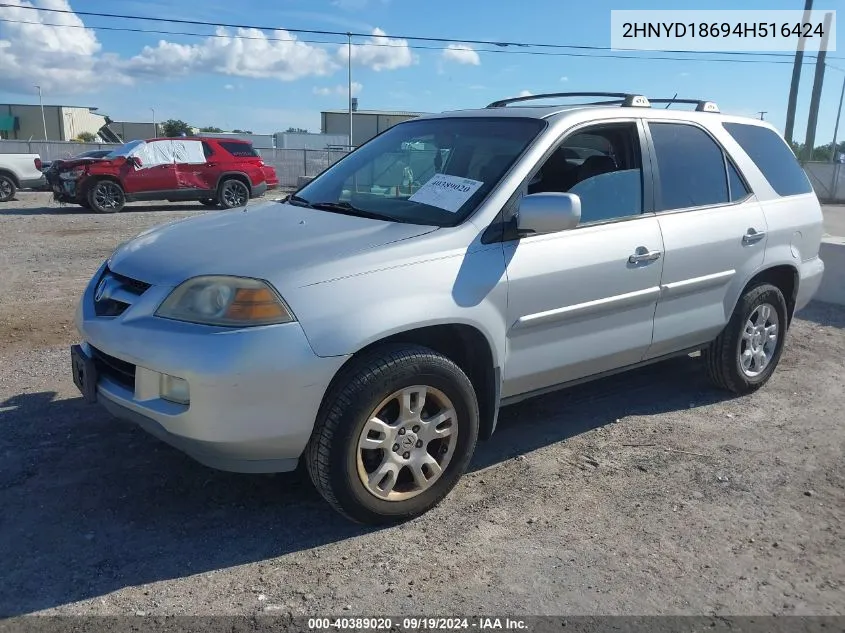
[642, 254]
[752, 237]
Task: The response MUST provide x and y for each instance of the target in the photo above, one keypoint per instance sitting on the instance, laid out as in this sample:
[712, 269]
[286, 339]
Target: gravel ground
[649, 493]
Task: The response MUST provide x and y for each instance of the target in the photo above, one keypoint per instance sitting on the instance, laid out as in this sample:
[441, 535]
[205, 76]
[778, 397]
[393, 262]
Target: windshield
[124, 150]
[426, 171]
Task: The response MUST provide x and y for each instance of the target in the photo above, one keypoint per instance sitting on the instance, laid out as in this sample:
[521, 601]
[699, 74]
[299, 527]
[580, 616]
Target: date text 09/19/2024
[418, 623]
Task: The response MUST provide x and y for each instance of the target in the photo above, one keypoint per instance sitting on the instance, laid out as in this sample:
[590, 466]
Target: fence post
[305, 162]
[837, 169]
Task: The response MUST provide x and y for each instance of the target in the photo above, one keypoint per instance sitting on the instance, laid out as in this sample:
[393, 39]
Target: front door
[714, 234]
[581, 302]
[156, 173]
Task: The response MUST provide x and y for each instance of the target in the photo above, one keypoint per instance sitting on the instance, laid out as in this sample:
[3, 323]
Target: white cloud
[339, 90]
[229, 87]
[564, 78]
[526, 93]
[64, 58]
[283, 57]
[461, 54]
[379, 52]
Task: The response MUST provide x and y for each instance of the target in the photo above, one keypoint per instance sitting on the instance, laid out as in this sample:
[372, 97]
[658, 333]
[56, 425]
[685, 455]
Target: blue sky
[268, 86]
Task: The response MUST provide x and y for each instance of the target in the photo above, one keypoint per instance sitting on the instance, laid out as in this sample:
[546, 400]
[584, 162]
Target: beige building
[64, 123]
[365, 123]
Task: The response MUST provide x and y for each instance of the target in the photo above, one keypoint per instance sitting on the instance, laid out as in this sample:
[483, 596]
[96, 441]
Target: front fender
[345, 315]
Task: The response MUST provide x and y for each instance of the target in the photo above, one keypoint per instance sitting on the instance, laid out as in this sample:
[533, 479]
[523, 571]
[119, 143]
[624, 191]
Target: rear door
[193, 171]
[714, 234]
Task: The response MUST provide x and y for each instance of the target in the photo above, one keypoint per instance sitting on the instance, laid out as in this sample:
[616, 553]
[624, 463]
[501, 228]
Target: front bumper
[254, 392]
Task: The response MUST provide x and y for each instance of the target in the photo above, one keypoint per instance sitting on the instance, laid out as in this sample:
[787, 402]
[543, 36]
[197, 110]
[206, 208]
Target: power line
[598, 55]
[441, 40]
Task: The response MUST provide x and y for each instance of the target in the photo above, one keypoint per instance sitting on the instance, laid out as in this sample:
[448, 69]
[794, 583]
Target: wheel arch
[8, 172]
[465, 345]
[236, 175]
[785, 277]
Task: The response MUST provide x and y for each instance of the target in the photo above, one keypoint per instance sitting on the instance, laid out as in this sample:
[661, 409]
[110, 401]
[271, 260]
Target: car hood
[70, 163]
[275, 241]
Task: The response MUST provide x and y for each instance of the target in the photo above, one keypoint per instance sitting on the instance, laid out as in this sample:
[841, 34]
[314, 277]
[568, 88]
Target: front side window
[602, 166]
[691, 167]
[425, 171]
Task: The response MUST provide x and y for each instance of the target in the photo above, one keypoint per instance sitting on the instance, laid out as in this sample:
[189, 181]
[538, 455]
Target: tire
[232, 193]
[8, 189]
[725, 357]
[337, 464]
[209, 202]
[106, 196]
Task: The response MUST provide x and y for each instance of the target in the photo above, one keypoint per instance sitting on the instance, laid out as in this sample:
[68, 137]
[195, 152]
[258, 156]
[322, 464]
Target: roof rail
[628, 100]
[700, 105]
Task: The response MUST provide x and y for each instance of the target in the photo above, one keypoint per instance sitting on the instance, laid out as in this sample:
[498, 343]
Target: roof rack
[700, 105]
[628, 100]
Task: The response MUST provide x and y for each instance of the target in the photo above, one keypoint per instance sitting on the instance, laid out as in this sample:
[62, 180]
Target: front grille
[109, 305]
[115, 369]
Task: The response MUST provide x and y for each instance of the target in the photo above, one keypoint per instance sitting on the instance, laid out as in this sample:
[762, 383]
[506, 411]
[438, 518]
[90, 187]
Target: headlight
[72, 174]
[227, 301]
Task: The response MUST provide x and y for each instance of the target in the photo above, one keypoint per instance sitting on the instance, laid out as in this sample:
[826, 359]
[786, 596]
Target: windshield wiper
[297, 201]
[348, 209]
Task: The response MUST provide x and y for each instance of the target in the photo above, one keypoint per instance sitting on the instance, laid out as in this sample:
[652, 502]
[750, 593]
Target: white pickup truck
[19, 171]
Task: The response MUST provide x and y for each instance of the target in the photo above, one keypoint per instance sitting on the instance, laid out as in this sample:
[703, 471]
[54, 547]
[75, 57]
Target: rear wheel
[7, 188]
[233, 193]
[106, 196]
[394, 435]
[744, 356]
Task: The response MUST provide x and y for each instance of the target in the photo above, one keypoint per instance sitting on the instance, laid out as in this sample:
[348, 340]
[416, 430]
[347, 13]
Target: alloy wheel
[759, 340]
[235, 193]
[108, 195]
[407, 443]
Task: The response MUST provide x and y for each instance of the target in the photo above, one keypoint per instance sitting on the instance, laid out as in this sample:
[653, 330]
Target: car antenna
[671, 101]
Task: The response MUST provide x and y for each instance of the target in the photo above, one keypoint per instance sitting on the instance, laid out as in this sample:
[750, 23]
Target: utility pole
[349, 82]
[838, 114]
[796, 78]
[816, 97]
[761, 113]
[155, 127]
[43, 118]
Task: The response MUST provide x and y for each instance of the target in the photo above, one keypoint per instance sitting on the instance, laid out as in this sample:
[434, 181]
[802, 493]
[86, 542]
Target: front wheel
[233, 193]
[106, 196]
[394, 435]
[7, 188]
[744, 356]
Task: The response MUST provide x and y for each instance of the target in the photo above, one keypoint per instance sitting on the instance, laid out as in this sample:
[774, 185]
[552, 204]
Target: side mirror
[541, 213]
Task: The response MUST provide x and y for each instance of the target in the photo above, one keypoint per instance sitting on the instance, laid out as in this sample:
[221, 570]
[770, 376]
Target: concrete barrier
[832, 288]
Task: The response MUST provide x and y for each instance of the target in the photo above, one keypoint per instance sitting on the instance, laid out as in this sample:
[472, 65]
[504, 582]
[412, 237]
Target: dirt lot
[648, 494]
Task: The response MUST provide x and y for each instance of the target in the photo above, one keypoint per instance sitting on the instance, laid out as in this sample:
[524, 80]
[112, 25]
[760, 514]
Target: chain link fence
[291, 164]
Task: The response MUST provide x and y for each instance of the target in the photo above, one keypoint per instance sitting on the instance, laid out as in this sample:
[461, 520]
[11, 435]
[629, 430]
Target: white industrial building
[64, 123]
[365, 123]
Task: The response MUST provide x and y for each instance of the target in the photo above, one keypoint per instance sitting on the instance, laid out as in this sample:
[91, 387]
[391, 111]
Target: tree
[297, 130]
[175, 127]
[236, 131]
[85, 137]
[211, 129]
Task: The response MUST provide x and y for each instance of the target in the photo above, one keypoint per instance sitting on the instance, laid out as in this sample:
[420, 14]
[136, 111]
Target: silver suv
[374, 322]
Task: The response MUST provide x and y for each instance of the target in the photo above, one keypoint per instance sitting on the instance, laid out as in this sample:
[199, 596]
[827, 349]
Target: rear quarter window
[240, 150]
[772, 156]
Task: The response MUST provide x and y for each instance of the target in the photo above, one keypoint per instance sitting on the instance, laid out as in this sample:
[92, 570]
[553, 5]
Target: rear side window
[239, 149]
[772, 156]
[691, 167]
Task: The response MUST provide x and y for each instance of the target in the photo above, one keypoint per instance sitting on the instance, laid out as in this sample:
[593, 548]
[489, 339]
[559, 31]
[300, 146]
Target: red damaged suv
[214, 171]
